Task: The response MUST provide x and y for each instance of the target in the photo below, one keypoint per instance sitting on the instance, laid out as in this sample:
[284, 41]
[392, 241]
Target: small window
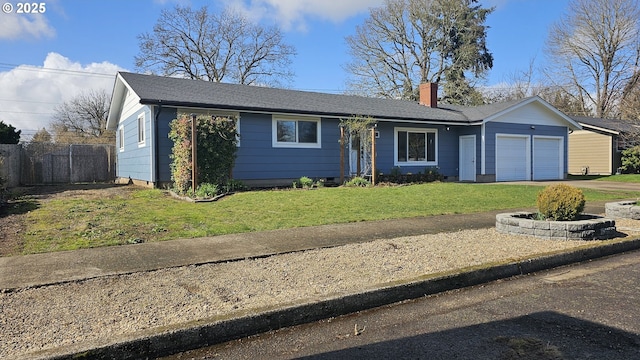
[416, 147]
[141, 137]
[293, 132]
[121, 138]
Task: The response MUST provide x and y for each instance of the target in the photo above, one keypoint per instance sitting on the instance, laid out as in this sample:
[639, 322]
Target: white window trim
[121, 137]
[278, 144]
[413, 163]
[144, 133]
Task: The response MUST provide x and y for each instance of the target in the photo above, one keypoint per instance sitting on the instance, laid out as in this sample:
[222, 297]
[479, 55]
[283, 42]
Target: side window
[141, 135]
[121, 138]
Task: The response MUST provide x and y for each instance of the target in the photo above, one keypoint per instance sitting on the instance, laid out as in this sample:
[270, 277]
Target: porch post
[341, 155]
[373, 155]
[194, 155]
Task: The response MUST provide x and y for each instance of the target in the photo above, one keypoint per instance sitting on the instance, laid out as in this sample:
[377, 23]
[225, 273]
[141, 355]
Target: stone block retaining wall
[589, 227]
[622, 210]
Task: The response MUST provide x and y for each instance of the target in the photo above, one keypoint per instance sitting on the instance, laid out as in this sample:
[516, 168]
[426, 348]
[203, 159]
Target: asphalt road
[583, 311]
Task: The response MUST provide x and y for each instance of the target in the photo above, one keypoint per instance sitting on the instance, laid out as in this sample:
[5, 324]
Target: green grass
[627, 178]
[152, 215]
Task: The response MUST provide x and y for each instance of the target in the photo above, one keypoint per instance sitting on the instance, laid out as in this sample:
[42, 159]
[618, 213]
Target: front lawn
[145, 215]
[627, 178]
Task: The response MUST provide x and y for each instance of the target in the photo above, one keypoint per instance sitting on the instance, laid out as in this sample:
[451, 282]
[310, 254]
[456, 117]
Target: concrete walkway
[50, 268]
[57, 267]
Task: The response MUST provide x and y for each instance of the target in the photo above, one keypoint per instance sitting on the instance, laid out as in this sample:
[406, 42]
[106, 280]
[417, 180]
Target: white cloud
[295, 13]
[24, 26]
[29, 94]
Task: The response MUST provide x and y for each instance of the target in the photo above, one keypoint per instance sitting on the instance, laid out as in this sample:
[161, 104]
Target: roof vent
[429, 94]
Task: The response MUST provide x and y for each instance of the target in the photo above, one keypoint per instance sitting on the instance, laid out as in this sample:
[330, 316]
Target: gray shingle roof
[196, 93]
[609, 124]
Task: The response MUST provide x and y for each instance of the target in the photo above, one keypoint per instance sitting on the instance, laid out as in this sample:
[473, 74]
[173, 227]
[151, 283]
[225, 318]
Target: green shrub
[207, 190]
[304, 182]
[234, 185]
[358, 181]
[631, 160]
[560, 202]
[217, 139]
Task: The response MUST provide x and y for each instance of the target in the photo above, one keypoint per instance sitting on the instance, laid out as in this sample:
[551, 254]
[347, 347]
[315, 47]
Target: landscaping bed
[586, 227]
[623, 210]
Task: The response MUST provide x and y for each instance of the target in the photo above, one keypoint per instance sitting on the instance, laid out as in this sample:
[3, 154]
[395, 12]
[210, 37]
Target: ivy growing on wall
[216, 150]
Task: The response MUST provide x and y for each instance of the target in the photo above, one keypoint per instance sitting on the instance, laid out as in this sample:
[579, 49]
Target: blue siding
[135, 161]
[165, 144]
[493, 128]
[257, 159]
[447, 160]
[472, 130]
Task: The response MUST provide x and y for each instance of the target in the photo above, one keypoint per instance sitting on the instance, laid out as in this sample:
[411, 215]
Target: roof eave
[254, 109]
[598, 128]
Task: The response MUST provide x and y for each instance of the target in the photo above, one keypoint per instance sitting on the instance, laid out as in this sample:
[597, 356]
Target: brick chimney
[429, 94]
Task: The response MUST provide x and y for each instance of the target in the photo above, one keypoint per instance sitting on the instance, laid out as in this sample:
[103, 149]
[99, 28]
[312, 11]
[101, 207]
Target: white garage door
[548, 155]
[513, 160]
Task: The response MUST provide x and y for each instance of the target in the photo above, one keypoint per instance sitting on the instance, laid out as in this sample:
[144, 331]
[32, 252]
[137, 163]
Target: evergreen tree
[8, 134]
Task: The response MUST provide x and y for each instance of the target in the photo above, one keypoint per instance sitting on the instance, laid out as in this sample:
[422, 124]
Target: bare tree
[407, 42]
[198, 44]
[594, 51]
[83, 119]
[518, 85]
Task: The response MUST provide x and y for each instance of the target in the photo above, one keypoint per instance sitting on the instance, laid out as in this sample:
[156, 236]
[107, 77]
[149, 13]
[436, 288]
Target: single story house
[518, 140]
[596, 148]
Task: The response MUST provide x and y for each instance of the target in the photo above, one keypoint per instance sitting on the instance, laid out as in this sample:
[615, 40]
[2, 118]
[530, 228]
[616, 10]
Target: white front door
[467, 158]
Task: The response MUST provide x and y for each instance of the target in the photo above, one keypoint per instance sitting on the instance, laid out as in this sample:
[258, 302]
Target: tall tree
[9, 134]
[83, 119]
[200, 44]
[594, 50]
[408, 42]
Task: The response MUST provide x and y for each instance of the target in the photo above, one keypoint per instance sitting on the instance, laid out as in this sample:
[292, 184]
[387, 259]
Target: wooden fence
[38, 163]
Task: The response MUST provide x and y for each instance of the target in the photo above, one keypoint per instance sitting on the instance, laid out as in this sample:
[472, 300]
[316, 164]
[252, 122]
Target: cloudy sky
[68, 46]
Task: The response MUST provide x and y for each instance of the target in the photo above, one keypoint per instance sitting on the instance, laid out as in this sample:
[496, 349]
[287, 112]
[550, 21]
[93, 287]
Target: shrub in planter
[560, 202]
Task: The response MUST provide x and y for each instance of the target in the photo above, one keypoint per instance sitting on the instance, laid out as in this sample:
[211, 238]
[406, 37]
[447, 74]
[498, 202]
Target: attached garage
[513, 159]
[518, 160]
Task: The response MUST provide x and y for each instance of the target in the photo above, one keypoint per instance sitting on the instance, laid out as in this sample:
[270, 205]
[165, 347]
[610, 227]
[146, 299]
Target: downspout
[156, 146]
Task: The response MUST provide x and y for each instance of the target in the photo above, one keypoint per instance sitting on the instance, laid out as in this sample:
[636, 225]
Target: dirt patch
[13, 215]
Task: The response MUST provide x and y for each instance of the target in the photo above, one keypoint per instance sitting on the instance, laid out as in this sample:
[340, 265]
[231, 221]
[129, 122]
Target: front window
[293, 132]
[416, 146]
